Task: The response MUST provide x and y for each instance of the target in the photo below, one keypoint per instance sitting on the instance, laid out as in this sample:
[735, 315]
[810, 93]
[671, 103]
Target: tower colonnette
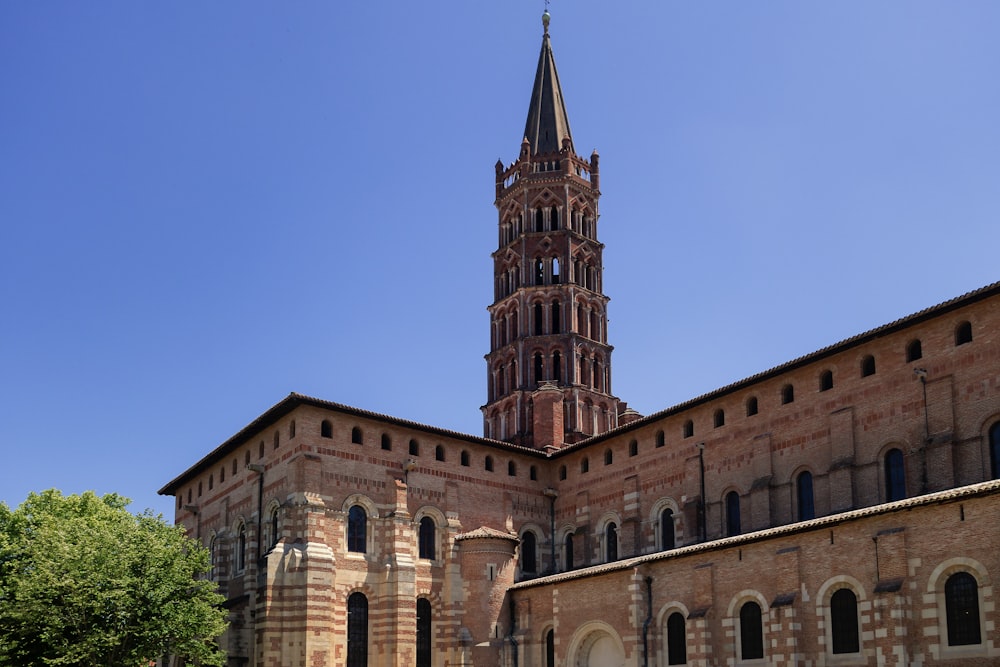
[549, 365]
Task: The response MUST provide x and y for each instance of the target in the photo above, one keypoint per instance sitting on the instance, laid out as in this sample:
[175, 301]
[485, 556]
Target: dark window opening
[426, 538]
[719, 418]
[562, 473]
[356, 437]
[844, 622]
[326, 429]
[414, 448]
[357, 529]
[357, 630]
[550, 648]
[538, 319]
[633, 448]
[995, 451]
[611, 541]
[533, 473]
[751, 632]
[529, 562]
[804, 493]
[963, 333]
[609, 457]
[826, 381]
[961, 599]
[465, 458]
[676, 640]
[568, 548]
[868, 366]
[511, 469]
[751, 406]
[585, 465]
[688, 428]
[386, 443]
[424, 637]
[895, 477]
[439, 453]
[787, 394]
[660, 440]
[489, 464]
[914, 351]
[667, 536]
[733, 513]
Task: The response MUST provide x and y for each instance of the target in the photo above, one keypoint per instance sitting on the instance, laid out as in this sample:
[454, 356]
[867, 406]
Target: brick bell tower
[549, 365]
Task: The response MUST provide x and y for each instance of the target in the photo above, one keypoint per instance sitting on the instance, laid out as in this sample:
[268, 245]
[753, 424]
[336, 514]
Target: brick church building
[842, 508]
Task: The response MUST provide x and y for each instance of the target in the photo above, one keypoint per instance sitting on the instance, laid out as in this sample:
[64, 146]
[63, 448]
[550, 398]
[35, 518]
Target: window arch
[913, 350]
[611, 542]
[804, 496]
[585, 464]
[719, 418]
[439, 453]
[326, 429]
[895, 476]
[357, 630]
[357, 437]
[751, 632]
[386, 442]
[556, 324]
[414, 448]
[676, 639]
[609, 457]
[464, 458]
[533, 473]
[963, 333]
[845, 637]
[826, 380]
[660, 440]
[787, 394]
[427, 538]
[488, 463]
[688, 428]
[539, 367]
[568, 551]
[511, 469]
[668, 538]
[562, 473]
[961, 600]
[867, 365]
[274, 524]
[529, 552]
[550, 648]
[995, 451]
[241, 548]
[357, 529]
[733, 513]
[751, 406]
[633, 448]
[538, 318]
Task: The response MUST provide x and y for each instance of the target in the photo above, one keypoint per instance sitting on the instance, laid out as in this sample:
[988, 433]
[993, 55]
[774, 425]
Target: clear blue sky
[205, 206]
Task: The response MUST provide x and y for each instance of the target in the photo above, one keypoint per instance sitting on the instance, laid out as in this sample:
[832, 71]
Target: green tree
[85, 582]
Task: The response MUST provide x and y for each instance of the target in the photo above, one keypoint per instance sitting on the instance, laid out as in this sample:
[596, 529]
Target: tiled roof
[982, 489]
[485, 532]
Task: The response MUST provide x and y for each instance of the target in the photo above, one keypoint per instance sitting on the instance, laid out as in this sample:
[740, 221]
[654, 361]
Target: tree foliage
[85, 582]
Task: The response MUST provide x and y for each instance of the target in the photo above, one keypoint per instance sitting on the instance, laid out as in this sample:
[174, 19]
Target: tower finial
[546, 17]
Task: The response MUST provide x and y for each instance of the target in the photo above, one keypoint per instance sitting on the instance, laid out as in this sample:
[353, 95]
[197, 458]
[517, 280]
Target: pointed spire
[547, 123]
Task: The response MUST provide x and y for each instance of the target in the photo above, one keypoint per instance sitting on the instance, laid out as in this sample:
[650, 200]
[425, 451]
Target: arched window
[568, 550]
[867, 366]
[356, 436]
[511, 469]
[585, 465]
[995, 451]
[414, 448]
[826, 381]
[557, 367]
[275, 526]
[538, 367]
[357, 529]
[676, 639]
[533, 473]
[804, 495]
[326, 429]
[844, 622]
[529, 553]
[550, 648]
[667, 538]
[787, 394]
[895, 477]
[751, 632]
[660, 440]
[386, 442]
[732, 513]
[488, 464]
[291, 429]
[719, 418]
[427, 538]
[556, 324]
[260, 450]
[611, 542]
[439, 453]
[241, 548]
[751, 406]
[424, 636]
[555, 271]
[961, 601]
[609, 457]
[633, 448]
[465, 458]
[562, 473]
[211, 481]
[963, 333]
[357, 630]
[539, 272]
[538, 318]
[913, 350]
[688, 428]
[277, 439]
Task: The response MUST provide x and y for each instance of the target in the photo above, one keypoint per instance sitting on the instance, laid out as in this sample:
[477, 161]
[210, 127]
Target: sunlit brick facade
[840, 509]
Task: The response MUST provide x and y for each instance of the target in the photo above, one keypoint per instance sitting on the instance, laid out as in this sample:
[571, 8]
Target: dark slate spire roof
[547, 123]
